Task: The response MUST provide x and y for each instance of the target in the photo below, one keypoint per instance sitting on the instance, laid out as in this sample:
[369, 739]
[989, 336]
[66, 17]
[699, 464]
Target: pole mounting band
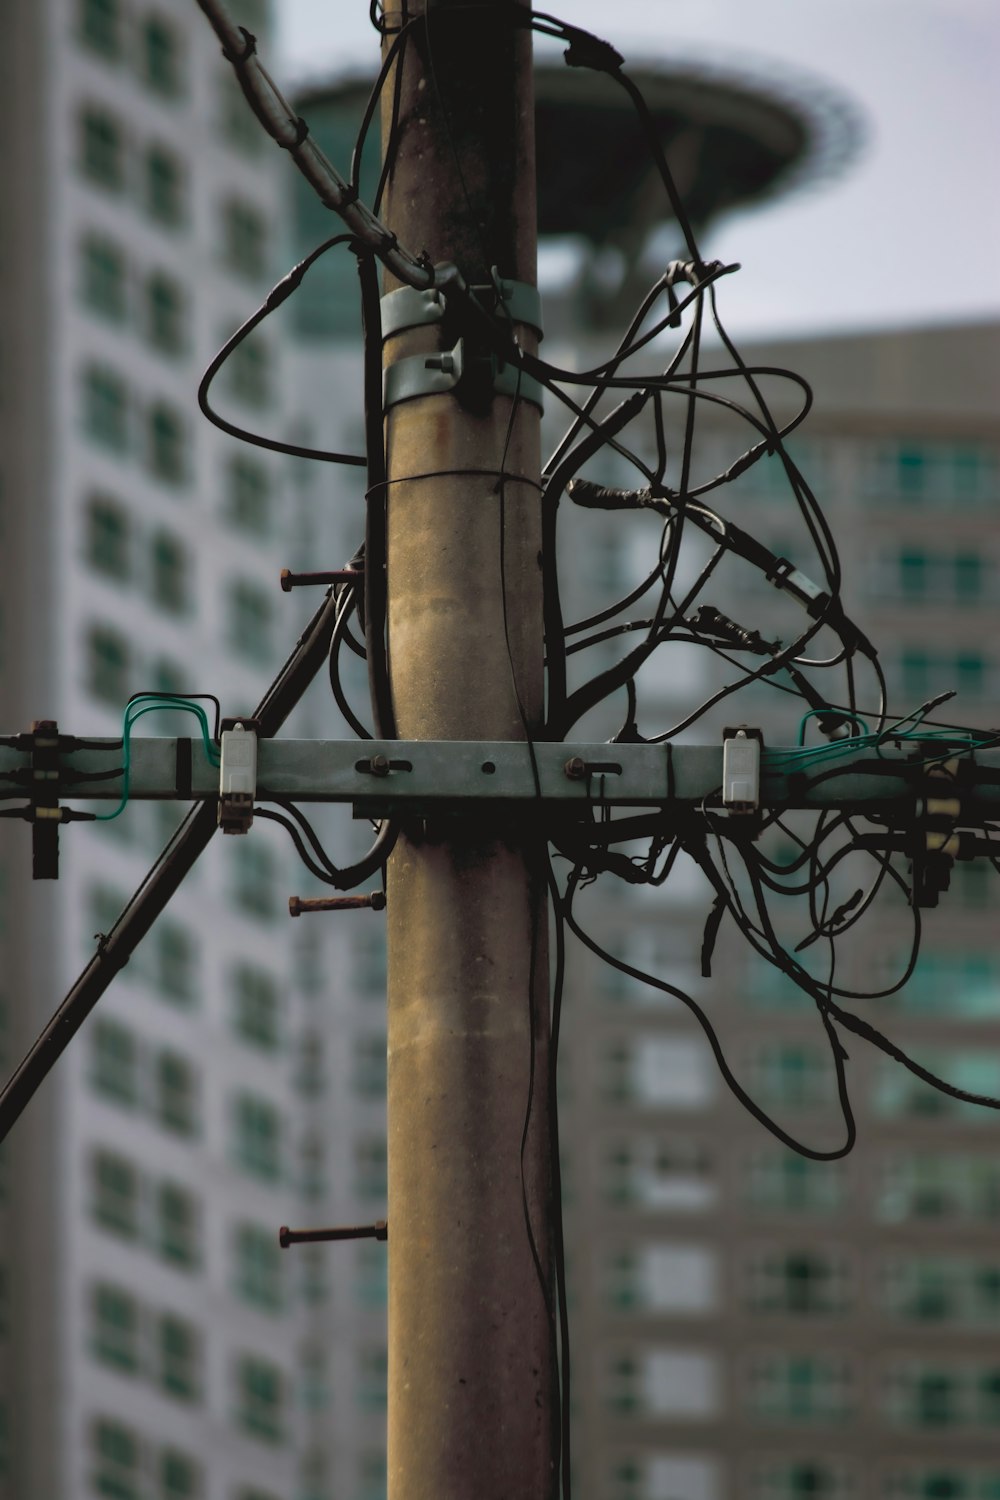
[438, 374]
[411, 307]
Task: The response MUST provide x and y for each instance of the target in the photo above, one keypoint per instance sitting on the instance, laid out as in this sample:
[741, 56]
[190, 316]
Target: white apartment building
[157, 1344]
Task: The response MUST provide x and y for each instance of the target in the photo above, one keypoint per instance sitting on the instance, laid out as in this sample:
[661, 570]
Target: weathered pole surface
[471, 1363]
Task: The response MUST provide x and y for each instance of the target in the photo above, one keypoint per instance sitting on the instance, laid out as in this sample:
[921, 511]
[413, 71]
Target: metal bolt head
[575, 768]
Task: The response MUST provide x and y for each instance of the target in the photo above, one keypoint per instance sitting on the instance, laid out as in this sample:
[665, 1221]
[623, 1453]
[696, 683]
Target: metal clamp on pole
[741, 769]
[237, 775]
[473, 380]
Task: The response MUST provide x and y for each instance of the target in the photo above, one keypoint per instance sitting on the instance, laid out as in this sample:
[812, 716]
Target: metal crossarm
[378, 776]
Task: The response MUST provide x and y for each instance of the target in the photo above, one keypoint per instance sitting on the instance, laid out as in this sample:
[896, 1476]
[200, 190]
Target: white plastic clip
[237, 779]
[741, 769]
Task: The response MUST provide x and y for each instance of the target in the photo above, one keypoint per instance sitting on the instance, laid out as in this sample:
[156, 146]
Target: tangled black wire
[651, 420]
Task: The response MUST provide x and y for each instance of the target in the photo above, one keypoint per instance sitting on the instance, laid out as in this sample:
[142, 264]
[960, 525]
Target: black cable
[278, 294]
[350, 875]
[701, 1017]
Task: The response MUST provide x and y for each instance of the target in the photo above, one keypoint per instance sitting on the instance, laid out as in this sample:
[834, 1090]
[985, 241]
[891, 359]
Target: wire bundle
[651, 420]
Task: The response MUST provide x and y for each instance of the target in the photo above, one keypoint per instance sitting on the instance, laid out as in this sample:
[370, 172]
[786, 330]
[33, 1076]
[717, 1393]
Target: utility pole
[471, 1376]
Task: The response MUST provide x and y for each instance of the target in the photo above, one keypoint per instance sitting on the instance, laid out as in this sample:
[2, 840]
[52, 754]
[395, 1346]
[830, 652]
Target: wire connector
[237, 776]
[741, 769]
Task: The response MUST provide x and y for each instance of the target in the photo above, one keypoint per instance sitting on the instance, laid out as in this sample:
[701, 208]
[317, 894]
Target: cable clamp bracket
[741, 749]
[474, 381]
[411, 307]
[237, 774]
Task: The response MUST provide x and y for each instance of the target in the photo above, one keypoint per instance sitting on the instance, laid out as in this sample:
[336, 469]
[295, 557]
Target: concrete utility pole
[471, 1364]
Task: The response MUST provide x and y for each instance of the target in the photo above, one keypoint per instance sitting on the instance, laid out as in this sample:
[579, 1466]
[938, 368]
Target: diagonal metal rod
[116, 948]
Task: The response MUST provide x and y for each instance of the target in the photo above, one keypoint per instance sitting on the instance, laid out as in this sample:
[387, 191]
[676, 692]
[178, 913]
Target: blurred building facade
[748, 1323]
[745, 1324]
[157, 1344]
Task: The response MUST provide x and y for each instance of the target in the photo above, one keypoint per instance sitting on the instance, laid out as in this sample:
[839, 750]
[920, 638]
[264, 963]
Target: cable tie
[588, 51]
[249, 49]
[301, 132]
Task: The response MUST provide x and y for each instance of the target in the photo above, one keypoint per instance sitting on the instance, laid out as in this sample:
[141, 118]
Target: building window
[167, 444]
[371, 1381]
[313, 1283]
[260, 1398]
[372, 1474]
[240, 125]
[314, 1392]
[103, 284]
[373, 1275]
[784, 1181]
[180, 1357]
[176, 1093]
[105, 407]
[796, 1076]
[166, 187]
[256, 1006]
[107, 665]
[931, 1186]
[312, 1167]
[180, 1476]
[898, 1093]
[244, 239]
[178, 1225]
[794, 1388]
[798, 1282]
[102, 148]
[677, 1175]
[115, 1317]
[176, 960]
[116, 1194]
[248, 372]
[257, 1136]
[162, 57]
[923, 673]
[800, 1480]
[248, 495]
[113, 1061]
[116, 1461]
[107, 536]
[926, 1396]
[310, 1080]
[100, 26]
[259, 1272]
[165, 313]
[938, 1483]
[249, 621]
[370, 1167]
[370, 1065]
[255, 876]
[170, 573]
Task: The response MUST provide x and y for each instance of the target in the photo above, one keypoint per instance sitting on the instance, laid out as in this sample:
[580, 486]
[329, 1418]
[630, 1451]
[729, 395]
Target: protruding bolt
[380, 765]
[575, 768]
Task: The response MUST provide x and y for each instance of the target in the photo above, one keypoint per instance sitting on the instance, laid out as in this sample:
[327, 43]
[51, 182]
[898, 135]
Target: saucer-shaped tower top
[731, 139]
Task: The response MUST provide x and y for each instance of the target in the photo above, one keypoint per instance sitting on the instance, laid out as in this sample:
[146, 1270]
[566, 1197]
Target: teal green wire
[854, 718]
[134, 711]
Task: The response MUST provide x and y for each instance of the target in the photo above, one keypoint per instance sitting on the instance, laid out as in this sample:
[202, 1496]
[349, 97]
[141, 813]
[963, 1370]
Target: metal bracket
[408, 307]
[438, 374]
[419, 776]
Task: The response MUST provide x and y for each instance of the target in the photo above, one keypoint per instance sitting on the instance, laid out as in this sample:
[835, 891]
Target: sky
[908, 233]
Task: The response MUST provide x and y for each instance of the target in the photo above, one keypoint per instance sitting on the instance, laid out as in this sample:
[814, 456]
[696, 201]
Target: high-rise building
[157, 1343]
[749, 1324]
